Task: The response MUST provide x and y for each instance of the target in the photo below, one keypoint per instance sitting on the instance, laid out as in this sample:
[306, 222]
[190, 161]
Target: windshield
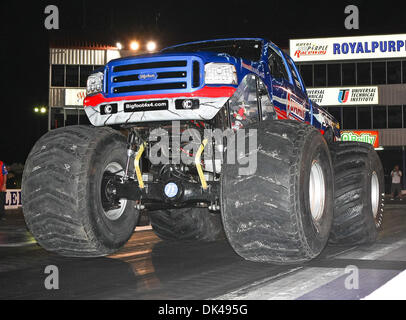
[246, 49]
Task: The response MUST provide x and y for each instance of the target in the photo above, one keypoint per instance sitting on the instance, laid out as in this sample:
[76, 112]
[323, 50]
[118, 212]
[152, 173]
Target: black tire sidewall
[111, 233]
[316, 149]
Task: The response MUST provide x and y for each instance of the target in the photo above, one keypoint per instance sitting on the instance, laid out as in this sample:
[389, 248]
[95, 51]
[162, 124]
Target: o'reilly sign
[344, 96]
[348, 48]
[367, 136]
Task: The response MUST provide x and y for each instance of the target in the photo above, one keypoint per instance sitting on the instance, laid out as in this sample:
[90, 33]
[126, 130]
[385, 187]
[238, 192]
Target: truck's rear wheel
[187, 224]
[283, 212]
[359, 193]
[64, 200]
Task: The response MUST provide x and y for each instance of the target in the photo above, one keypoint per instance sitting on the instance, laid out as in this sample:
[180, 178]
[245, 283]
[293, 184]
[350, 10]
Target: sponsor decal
[74, 97]
[148, 76]
[344, 96]
[13, 199]
[346, 48]
[371, 137]
[293, 106]
[309, 49]
[146, 105]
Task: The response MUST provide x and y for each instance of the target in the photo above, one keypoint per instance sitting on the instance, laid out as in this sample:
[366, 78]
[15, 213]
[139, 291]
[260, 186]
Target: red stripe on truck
[207, 92]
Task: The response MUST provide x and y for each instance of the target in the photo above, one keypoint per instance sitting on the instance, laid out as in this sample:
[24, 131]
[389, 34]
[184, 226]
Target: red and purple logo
[343, 95]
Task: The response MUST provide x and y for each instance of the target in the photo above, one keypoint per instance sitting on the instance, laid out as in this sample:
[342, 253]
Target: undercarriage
[167, 176]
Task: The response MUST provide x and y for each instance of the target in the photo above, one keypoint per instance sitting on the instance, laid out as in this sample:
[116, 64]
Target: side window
[268, 111]
[276, 65]
[244, 103]
[294, 75]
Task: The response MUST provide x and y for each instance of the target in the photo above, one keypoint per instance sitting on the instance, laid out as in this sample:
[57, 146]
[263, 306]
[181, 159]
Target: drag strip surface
[147, 268]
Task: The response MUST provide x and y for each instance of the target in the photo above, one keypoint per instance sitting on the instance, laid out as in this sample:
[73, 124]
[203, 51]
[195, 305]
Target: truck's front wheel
[64, 200]
[282, 212]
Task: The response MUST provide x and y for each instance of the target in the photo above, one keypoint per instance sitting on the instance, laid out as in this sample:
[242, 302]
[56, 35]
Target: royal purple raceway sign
[348, 48]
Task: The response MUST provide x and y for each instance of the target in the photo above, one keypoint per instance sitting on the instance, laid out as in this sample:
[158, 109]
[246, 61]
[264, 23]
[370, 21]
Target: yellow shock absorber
[137, 165]
[199, 165]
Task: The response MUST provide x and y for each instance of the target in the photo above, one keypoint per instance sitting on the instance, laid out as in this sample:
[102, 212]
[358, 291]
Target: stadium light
[134, 45]
[119, 46]
[151, 46]
[41, 109]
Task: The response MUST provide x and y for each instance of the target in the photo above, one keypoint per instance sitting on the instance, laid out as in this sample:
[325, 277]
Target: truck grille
[148, 75]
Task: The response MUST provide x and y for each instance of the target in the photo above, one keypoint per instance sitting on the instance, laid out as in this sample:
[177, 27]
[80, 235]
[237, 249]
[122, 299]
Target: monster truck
[212, 139]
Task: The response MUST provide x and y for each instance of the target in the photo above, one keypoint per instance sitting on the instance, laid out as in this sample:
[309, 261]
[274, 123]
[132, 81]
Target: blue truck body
[146, 81]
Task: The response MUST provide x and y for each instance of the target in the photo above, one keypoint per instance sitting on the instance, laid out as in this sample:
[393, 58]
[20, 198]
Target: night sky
[25, 41]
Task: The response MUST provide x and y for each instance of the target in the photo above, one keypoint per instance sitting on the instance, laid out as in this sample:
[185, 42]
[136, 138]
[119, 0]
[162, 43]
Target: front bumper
[211, 100]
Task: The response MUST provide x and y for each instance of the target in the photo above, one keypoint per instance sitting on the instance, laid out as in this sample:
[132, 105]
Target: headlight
[220, 73]
[95, 83]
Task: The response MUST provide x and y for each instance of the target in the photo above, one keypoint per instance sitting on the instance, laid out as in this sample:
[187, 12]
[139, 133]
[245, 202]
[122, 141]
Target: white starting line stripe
[17, 244]
[143, 228]
[394, 289]
[305, 279]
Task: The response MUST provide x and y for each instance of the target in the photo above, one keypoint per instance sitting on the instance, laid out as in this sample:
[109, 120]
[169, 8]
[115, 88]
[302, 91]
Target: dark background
[25, 41]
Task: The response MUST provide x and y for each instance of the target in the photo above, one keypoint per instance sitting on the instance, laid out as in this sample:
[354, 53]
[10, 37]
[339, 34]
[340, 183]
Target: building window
[394, 116]
[320, 75]
[334, 75]
[404, 116]
[85, 71]
[394, 72]
[364, 73]
[72, 76]
[96, 67]
[404, 71]
[348, 72]
[364, 117]
[349, 117]
[378, 72]
[336, 113]
[306, 71]
[57, 75]
[83, 119]
[379, 117]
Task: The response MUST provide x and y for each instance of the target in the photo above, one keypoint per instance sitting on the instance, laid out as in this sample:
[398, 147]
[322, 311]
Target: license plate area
[146, 106]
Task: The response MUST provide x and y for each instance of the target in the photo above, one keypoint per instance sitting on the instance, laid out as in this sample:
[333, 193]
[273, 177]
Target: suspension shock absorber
[131, 140]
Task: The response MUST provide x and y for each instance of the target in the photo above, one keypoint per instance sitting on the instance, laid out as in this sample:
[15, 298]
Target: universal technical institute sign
[344, 96]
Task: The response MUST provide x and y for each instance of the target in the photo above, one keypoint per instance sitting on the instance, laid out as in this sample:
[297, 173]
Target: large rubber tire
[266, 214]
[355, 164]
[187, 224]
[61, 192]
